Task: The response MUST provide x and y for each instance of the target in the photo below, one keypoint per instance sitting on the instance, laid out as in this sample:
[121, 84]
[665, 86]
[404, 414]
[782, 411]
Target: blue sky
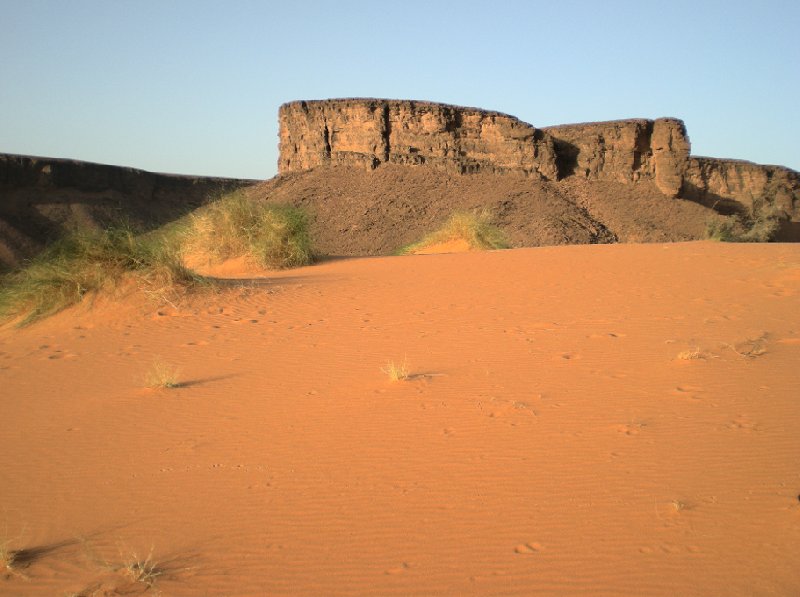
[194, 87]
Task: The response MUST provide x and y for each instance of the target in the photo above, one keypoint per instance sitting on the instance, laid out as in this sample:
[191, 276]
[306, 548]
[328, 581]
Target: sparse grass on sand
[142, 570]
[397, 371]
[7, 555]
[679, 505]
[475, 228]
[271, 236]
[162, 375]
[88, 261]
[691, 354]
[759, 226]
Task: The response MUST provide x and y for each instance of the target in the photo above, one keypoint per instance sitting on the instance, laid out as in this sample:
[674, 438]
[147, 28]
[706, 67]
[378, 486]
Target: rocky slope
[375, 212]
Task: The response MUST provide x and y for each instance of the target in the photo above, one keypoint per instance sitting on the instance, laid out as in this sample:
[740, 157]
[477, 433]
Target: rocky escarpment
[624, 151]
[732, 185]
[371, 132]
[40, 197]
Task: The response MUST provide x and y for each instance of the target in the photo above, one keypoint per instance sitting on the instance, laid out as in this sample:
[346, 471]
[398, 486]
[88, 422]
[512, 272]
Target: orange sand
[549, 441]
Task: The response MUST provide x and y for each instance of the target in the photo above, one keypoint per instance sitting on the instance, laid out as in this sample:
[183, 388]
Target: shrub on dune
[87, 261]
[759, 226]
[271, 236]
[474, 228]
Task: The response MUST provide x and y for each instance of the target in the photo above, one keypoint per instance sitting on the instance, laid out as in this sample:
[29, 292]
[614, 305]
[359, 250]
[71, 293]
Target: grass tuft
[7, 555]
[759, 226]
[691, 355]
[272, 236]
[679, 505]
[142, 570]
[162, 375]
[475, 228]
[88, 261]
[396, 371]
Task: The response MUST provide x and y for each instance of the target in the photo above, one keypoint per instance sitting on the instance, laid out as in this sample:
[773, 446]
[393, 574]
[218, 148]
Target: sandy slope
[549, 441]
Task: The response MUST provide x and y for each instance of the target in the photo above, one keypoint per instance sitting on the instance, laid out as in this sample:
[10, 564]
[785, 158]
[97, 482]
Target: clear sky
[194, 86]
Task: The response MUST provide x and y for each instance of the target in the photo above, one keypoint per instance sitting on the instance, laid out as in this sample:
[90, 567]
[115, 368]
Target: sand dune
[579, 420]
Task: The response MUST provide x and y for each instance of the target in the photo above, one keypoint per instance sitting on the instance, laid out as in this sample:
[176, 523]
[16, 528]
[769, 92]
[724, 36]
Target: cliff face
[624, 151]
[735, 184]
[371, 132]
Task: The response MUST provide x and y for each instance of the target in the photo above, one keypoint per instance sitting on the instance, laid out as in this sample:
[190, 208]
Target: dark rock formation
[371, 132]
[735, 184]
[624, 151]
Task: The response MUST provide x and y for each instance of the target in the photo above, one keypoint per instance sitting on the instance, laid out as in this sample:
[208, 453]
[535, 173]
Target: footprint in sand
[687, 391]
[631, 429]
[397, 569]
[743, 423]
[60, 354]
[611, 335]
[529, 548]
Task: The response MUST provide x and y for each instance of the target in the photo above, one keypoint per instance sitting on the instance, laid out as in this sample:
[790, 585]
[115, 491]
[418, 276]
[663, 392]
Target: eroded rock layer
[740, 184]
[370, 132]
[624, 151]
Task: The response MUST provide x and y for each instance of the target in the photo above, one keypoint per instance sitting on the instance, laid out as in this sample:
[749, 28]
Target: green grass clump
[475, 228]
[759, 226]
[271, 236]
[87, 261]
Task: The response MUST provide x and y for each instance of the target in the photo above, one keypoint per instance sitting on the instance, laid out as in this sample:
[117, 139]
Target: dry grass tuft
[88, 261]
[7, 555]
[759, 226]
[692, 354]
[397, 371]
[271, 236]
[142, 570]
[162, 375]
[475, 228]
[679, 505]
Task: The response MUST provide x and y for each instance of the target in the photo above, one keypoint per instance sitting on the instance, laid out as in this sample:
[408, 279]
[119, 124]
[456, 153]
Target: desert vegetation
[691, 354]
[396, 371]
[162, 375]
[473, 227]
[8, 556]
[758, 226]
[143, 570]
[269, 235]
[87, 261]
